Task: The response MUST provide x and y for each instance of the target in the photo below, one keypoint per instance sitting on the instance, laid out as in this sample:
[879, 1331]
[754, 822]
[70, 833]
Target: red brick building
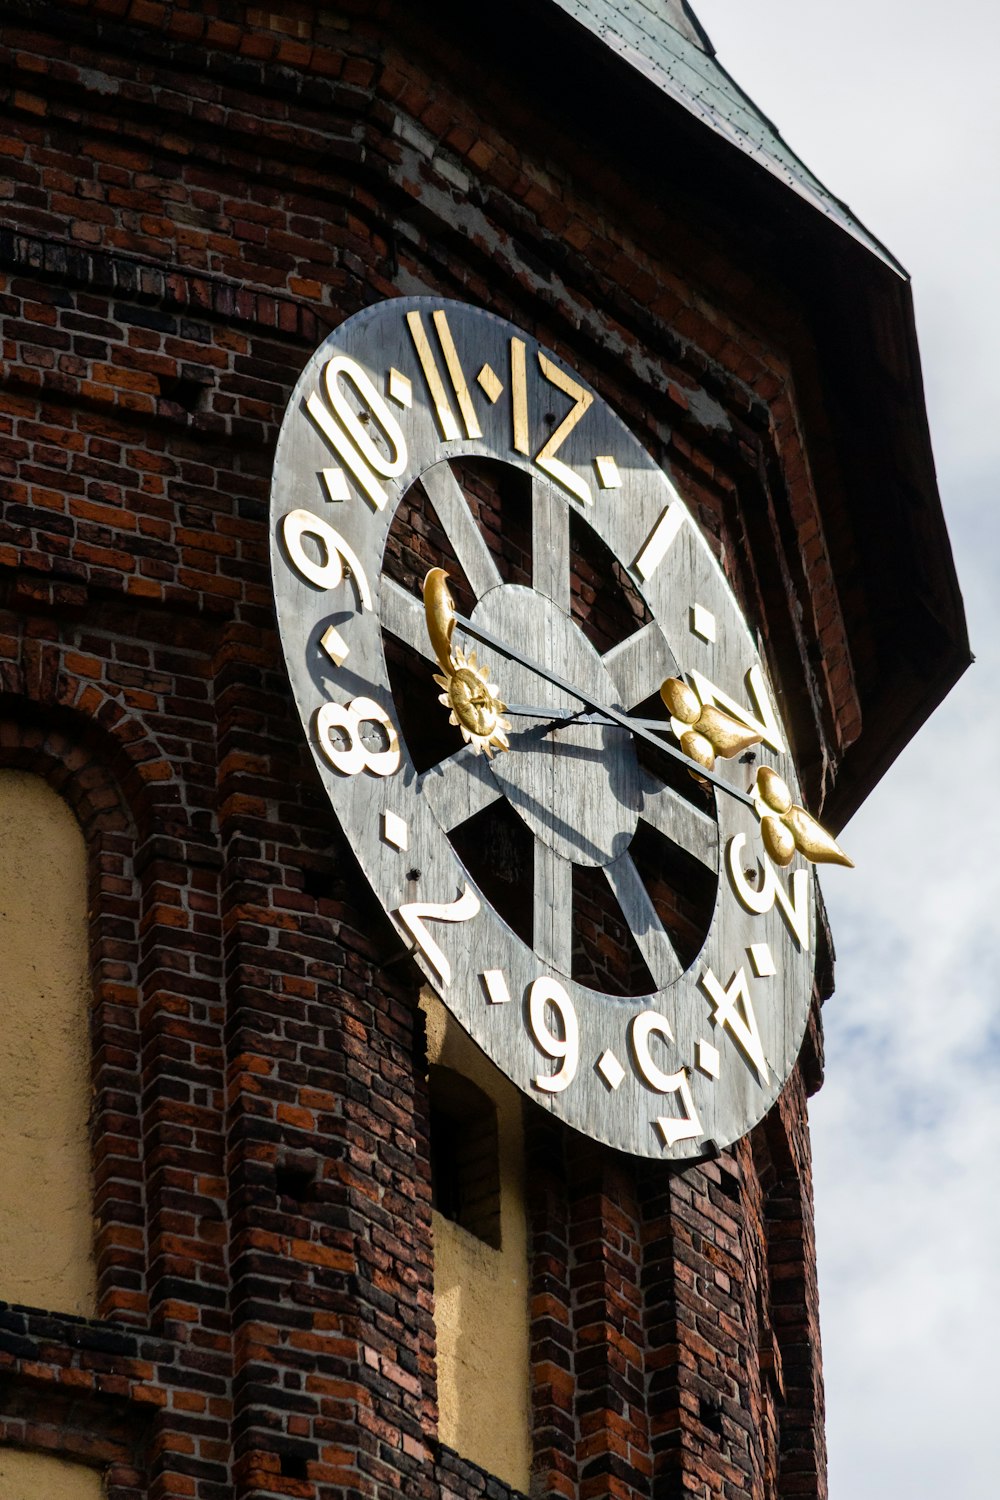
[195, 195]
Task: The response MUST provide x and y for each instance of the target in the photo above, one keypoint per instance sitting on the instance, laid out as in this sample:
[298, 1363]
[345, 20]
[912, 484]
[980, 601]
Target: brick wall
[193, 197]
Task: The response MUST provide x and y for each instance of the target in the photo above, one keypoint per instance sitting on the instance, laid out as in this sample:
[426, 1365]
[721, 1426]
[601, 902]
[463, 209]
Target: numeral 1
[519, 396]
[660, 539]
[442, 405]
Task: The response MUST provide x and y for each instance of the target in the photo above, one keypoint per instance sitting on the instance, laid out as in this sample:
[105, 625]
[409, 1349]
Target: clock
[621, 921]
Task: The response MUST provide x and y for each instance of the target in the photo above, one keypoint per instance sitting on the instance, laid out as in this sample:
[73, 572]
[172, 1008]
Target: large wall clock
[612, 932]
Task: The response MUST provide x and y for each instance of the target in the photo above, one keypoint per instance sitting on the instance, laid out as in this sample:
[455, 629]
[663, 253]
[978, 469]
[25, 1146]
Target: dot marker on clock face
[608, 476]
[395, 830]
[495, 986]
[400, 388]
[703, 623]
[707, 1059]
[491, 383]
[610, 1069]
[761, 960]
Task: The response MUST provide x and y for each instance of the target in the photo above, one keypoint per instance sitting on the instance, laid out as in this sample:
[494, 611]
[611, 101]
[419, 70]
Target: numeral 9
[339, 559]
[564, 1047]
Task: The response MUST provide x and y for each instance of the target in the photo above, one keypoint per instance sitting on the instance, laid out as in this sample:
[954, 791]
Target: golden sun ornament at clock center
[476, 707]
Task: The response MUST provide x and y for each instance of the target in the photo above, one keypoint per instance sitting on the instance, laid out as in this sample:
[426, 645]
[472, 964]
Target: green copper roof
[663, 40]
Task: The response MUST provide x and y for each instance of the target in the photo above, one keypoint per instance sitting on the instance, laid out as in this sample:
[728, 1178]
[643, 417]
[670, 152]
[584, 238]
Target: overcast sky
[896, 107]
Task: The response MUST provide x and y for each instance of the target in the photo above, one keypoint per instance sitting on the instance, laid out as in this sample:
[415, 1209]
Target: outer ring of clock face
[394, 395]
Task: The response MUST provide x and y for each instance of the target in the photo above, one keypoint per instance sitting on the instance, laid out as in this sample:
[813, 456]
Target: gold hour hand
[439, 612]
[476, 707]
[704, 732]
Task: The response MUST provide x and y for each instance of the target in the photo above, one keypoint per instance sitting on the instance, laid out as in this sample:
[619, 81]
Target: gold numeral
[546, 457]
[658, 543]
[465, 406]
[519, 396]
[447, 424]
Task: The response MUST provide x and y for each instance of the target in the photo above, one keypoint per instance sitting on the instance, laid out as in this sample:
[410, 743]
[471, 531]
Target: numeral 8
[356, 756]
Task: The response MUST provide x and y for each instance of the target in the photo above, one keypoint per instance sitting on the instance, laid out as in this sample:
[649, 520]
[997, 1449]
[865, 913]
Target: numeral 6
[545, 992]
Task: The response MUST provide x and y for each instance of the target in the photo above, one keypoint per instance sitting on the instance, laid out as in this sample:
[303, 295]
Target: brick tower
[272, 1224]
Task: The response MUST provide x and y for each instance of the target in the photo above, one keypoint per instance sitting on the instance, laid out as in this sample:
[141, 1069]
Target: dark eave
[665, 43]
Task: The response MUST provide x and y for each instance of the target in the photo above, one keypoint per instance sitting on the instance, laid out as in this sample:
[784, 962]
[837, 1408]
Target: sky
[896, 108]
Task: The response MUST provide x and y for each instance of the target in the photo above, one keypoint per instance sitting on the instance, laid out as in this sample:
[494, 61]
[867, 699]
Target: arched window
[480, 1254]
[465, 1155]
[46, 1211]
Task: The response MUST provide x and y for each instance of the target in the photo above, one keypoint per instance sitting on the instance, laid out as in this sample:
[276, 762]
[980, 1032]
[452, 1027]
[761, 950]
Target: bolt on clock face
[611, 930]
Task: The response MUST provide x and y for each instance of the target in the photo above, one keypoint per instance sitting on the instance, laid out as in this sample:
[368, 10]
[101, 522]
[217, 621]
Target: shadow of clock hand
[609, 714]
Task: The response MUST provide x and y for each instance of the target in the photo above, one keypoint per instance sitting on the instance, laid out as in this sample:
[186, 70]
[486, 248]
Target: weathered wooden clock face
[611, 932]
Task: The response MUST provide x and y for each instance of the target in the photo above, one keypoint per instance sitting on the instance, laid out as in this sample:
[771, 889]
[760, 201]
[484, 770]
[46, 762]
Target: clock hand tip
[439, 614]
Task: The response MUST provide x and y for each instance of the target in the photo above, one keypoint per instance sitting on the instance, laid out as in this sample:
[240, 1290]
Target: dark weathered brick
[177, 239]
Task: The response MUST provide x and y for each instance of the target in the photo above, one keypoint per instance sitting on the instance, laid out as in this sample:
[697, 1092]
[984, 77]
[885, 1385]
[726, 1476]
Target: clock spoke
[550, 544]
[461, 528]
[680, 821]
[639, 664]
[458, 788]
[553, 905]
[648, 931]
[403, 616]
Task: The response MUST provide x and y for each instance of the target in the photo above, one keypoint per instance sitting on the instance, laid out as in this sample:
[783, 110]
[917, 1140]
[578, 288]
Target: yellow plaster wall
[46, 1213]
[481, 1294]
[40, 1476]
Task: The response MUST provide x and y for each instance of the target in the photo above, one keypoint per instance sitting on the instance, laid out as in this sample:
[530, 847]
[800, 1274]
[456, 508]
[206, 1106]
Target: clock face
[609, 930]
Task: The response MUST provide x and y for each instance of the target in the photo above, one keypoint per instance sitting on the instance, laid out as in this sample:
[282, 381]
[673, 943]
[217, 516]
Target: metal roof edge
[691, 75]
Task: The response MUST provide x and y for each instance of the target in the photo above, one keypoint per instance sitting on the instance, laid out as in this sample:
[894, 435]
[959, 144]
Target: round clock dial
[610, 931]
